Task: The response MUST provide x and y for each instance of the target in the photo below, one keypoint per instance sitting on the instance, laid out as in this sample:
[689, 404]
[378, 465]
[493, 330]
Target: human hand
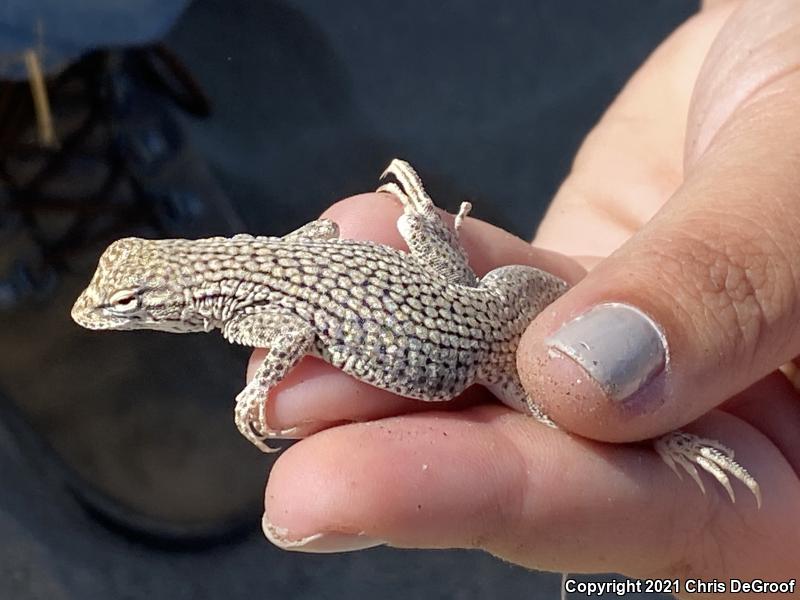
[716, 269]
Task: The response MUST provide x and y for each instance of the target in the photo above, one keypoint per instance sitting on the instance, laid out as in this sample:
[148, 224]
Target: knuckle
[744, 282]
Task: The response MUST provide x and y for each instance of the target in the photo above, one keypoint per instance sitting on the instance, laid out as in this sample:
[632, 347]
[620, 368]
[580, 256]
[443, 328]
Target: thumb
[703, 301]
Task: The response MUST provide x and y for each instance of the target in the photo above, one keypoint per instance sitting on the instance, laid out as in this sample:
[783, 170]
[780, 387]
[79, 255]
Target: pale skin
[706, 135]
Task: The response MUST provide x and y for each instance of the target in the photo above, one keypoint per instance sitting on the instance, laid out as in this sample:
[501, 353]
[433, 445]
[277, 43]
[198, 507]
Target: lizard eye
[124, 301]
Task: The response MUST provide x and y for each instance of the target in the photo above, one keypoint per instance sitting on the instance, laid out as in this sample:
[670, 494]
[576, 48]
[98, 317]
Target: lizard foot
[247, 422]
[430, 240]
[686, 450]
[415, 200]
[463, 212]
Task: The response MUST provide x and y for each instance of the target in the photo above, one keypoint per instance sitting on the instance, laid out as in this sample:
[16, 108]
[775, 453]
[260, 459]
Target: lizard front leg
[287, 338]
[321, 229]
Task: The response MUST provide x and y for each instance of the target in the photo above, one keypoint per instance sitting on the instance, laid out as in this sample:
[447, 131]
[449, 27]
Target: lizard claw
[690, 451]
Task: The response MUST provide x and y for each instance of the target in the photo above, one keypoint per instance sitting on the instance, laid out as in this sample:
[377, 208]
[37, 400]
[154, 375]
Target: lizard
[420, 324]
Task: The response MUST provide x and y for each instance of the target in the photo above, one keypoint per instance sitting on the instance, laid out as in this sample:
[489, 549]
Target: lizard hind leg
[504, 383]
[688, 451]
[677, 449]
[430, 240]
[287, 338]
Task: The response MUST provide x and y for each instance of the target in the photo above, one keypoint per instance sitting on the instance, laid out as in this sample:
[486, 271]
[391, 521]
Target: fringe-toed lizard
[420, 324]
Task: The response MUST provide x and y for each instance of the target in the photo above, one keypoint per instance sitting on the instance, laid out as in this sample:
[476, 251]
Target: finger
[486, 479]
[703, 301]
[632, 161]
[315, 395]
[772, 406]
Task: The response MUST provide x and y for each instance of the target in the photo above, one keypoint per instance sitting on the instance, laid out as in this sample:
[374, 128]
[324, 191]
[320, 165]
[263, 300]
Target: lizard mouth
[89, 317]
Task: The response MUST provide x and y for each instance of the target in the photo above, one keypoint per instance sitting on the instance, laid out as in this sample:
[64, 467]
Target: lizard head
[135, 286]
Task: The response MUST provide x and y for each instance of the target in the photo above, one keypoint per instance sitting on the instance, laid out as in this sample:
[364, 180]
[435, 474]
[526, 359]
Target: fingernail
[321, 543]
[619, 346]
